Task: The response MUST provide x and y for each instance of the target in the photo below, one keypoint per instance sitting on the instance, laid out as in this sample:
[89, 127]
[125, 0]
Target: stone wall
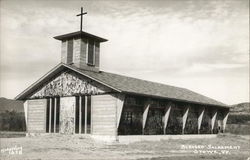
[68, 84]
[67, 115]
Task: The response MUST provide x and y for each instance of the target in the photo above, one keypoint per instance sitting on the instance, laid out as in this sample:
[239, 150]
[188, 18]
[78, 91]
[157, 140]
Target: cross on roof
[81, 14]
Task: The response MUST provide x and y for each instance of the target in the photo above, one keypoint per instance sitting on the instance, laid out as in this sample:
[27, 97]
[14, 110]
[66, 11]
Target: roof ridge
[167, 85]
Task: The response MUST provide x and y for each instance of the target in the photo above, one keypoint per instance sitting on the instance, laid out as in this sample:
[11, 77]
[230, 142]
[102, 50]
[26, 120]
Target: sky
[199, 45]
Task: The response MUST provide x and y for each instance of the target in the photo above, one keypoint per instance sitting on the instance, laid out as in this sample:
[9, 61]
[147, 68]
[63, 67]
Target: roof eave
[79, 34]
[179, 100]
[23, 93]
[57, 69]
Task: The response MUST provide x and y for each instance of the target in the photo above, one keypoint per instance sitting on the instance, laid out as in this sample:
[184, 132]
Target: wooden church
[77, 97]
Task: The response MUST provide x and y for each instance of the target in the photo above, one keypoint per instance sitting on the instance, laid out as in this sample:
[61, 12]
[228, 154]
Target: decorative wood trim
[80, 114]
[145, 115]
[120, 104]
[214, 115]
[200, 117]
[225, 120]
[184, 119]
[166, 116]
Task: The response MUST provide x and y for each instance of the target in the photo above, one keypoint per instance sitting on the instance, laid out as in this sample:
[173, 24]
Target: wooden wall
[104, 115]
[36, 116]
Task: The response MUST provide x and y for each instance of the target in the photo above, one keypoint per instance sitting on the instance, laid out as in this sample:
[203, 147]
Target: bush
[238, 118]
[12, 121]
[240, 129]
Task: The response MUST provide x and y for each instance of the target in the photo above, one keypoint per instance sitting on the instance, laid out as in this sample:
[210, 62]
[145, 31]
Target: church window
[91, 53]
[83, 115]
[70, 51]
[52, 115]
[128, 117]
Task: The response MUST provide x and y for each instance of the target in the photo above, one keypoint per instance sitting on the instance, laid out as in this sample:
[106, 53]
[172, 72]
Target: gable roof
[129, 85]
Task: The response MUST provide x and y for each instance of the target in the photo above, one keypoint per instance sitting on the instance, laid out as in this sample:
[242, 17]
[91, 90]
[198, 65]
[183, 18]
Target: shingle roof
[129, 85]
[148, 88]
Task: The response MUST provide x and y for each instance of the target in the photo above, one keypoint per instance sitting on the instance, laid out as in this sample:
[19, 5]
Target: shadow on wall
[12, 121]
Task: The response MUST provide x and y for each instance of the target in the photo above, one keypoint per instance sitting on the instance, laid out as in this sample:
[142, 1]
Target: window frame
[70, 51]
[87, 53]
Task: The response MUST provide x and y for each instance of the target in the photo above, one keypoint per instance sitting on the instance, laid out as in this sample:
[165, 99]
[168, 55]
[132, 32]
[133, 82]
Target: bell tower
[81, 49]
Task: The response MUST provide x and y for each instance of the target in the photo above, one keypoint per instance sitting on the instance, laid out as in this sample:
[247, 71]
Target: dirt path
[71, 147]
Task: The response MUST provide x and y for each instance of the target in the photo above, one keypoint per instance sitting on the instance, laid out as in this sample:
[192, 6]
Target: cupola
[81, 49]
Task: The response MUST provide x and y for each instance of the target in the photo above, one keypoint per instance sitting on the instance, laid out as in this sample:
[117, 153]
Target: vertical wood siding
[104, 115]
[36, 115]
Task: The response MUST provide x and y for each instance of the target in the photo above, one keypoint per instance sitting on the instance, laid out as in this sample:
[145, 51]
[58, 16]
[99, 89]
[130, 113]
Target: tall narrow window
[77, 116]
[70, 51]
[47, 115]
[52, 115]
[88, 114]
[82, 114]
[57, 114]
[91, 53]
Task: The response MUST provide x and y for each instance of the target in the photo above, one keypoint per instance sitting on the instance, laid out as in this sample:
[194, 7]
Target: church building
[77, 97]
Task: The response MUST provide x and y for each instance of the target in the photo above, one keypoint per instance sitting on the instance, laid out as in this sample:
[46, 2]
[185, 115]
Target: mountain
[241, 108]
[10, 105]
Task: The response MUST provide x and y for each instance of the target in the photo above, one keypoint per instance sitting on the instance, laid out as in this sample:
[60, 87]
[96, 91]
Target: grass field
[72, 147]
